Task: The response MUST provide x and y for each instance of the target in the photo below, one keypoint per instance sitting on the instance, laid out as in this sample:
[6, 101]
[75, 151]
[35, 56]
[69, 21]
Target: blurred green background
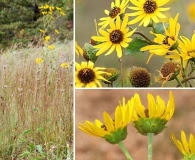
[85, 13]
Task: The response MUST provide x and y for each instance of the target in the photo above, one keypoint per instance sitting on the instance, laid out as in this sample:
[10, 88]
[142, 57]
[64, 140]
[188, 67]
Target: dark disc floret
[114, 12]
[150, 6]
[116, 36]
[86, 75]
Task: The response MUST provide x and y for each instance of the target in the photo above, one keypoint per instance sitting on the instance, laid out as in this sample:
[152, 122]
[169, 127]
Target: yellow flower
[117, 9]
[58, 9]
[78, 49]
[112, 130]
[62, 13]
[187, 148]
[47, 38]
[87, 75]
[187, 47]
[42, 31]
[154, 118]
[147, 10]
[167, 42]
[43, 13]
[191, 11]
[117, 37]
[51, 47]
[56, 31]
[39, 60]
[65, 65]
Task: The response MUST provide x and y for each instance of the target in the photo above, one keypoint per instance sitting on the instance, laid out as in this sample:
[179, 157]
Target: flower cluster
[47, 34]
[120, 31]
[46, 9]
[149, 121]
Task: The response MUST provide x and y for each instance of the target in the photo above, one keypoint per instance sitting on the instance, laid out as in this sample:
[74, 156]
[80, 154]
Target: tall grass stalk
[36, 114]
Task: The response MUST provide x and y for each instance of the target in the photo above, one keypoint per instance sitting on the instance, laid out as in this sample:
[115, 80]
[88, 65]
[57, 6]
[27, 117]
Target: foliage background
[85, 28]
[21, 20]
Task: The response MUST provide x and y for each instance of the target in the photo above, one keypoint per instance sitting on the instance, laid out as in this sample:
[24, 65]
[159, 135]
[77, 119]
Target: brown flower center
[86, 75]
[168, 68]
[116, 36]
[166, 40]
[149, 6]
[139, 77]
[114, 12]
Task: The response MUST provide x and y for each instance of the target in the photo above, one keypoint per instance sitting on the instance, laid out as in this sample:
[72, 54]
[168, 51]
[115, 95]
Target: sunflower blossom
[167, 42]
[87, 75]
[187, 47]
[147, 10]
[117, 37]
[187, 148]
[117, 9]
[153, 119]
[112, 130]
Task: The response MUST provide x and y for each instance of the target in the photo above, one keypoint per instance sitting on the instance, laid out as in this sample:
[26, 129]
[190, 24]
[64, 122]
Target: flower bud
[89, 52]
[114, 73]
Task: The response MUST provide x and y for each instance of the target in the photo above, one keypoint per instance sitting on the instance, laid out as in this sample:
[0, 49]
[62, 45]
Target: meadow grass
[36, 112]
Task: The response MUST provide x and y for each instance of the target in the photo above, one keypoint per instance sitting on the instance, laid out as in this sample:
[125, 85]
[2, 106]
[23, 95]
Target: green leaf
[26, 132]
[159, 28]
[135, 46]
[24, 154]
[39, 148]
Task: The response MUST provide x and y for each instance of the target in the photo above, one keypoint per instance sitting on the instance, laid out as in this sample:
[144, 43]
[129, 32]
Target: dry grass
[36, 104]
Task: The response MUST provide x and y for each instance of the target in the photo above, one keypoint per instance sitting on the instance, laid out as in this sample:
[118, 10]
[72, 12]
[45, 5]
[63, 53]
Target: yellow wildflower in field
[47, 38]
[56, 31]
[43, 13]
[65, 65]
[62, 13]
[58, 9]
[147, 10]
[39, 60]
[51, 47]
[42, 31]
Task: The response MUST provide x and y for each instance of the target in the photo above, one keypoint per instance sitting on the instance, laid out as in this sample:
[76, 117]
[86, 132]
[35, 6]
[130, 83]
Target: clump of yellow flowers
[47, 36]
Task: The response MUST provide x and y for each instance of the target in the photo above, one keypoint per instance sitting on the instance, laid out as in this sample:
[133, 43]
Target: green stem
[125, 151]
[150, 141]
[146, 38]
[121, 68]
[179, 82]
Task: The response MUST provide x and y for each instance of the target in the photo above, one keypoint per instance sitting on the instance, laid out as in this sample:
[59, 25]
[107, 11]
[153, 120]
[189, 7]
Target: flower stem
[150, 141]
[121, 69]
[144, 36]
[180, 84]
[125, 151]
